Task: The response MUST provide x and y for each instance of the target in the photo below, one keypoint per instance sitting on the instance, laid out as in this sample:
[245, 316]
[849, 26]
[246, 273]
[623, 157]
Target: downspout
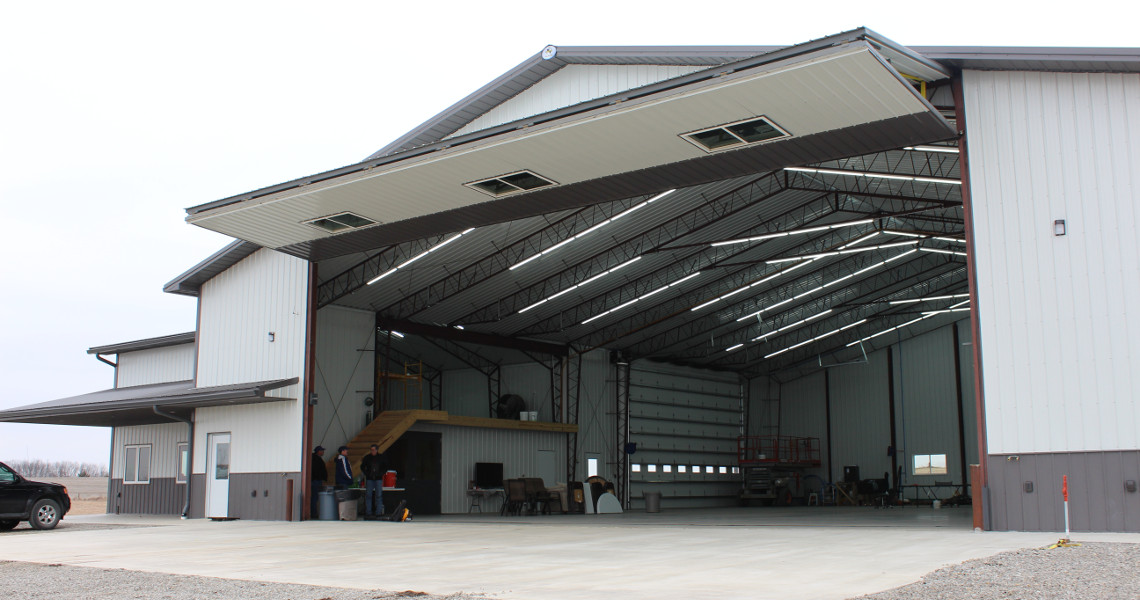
[190, 449]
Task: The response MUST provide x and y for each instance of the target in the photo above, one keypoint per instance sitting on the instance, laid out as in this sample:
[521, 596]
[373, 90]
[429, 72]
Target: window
[136, 464]
[652, 468]
[635, 467]
[735, 135]
[183, 463]
[591, 466]
[666, 468]
[709, 469]
[723, 470]
[6, 476]
[340, 222]
[929, 464]
[681, 468]
[511, 183]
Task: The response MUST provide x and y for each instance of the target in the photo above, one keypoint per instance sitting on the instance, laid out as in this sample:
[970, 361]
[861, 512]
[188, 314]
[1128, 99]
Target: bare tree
[59, 468]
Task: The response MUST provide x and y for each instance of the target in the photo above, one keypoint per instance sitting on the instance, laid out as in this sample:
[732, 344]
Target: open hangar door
[755, 219]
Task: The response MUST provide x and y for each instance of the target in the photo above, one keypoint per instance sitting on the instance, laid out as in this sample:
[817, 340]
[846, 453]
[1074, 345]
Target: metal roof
[190, 282]
[146, 344]
[135, 405]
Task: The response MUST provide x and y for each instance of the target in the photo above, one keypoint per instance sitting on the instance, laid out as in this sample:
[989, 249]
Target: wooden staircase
[383, 431]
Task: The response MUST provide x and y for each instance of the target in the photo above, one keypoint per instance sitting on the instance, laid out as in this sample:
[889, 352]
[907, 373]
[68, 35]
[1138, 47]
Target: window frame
[929, 469]
[128, 462]
[182, 458]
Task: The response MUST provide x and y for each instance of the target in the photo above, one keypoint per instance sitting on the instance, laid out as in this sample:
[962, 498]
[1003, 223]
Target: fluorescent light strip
[947, 310]
[641, 297]
[736, 347]
[752, 285]
[578, 285]
[840, 252]
[930, 298]
[941, 251]
[768, 236]
[792, 326]
[951, 240]
[419, 256]
[904, 233]
[874, 175]
[817, 338]
[592, 229]
[827, 285]
[908, 323]
[395, 333]
[947, 149]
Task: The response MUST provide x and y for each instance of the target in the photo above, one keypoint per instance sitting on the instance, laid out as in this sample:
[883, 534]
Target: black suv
[42, 505]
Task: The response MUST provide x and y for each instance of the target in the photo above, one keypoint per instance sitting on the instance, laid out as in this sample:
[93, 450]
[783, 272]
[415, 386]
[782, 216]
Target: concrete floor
[825, 553]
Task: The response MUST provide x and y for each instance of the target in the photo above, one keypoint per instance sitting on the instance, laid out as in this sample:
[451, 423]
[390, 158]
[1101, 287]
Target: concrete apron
[829, 553]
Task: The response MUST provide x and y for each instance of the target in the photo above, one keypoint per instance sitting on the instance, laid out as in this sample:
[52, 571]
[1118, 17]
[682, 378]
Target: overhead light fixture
[793, 325]
[907, 324]
[929, 298]
[592, 229]
[872, 175]
[578, 285]
[779, 273]
[841, 252]
[641, 297]
[946, 149]
[818, 337]
[735, 135]
[941, 251]
[904, 233]
[946, 310]
[950, 239]
[394, 333]
[419, 256]
[736, 347]
[778, 234]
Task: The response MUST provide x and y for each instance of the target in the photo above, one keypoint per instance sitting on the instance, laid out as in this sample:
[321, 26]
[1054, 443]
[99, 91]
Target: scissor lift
[772, 467]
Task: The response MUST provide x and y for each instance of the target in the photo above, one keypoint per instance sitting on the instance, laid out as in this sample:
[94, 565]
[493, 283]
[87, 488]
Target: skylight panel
[511, 183]
[340, 222]
[735, 135]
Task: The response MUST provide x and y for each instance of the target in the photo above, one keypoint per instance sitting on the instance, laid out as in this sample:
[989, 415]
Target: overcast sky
[115, 117]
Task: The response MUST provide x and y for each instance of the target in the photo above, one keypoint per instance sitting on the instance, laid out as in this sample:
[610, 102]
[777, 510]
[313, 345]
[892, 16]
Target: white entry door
[218, 475]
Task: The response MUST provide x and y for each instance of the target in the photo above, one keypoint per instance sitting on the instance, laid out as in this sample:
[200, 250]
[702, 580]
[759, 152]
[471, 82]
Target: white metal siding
[344, 374]
[1058, 337]
[163, 440]
[266, 438]
[265, 292]
[157, 365]
[571, 85]
[462, 447]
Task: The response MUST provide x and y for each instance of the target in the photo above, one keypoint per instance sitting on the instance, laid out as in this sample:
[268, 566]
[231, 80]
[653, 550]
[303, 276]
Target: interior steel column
[621, 471]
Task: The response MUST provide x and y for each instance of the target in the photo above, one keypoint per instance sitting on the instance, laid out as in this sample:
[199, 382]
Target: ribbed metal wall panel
[969, 399]
[684, 416]
[1061, 362]
[763, 406]
[465, 393]
[803, 413]
[573, 84]
[265, 437]
[265, 292]
[597, 416]
[532, 382]
[926, 405]
[344, 374]
[163, 439]
[162, 496]
[157, 365]
[462, 447]
[861, 417]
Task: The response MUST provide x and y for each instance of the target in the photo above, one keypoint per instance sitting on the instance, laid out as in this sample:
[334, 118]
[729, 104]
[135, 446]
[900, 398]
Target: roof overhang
[177, 339]
[836, 97]
[135, 405]
[190, 282]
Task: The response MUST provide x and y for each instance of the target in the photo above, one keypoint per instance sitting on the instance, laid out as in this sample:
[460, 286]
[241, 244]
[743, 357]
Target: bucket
[390, 479]
[937, 504]
[652, 502]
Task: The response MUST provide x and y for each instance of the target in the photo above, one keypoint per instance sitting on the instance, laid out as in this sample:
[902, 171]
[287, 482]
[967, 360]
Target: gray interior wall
[344, 374]
[926, 409]
[519, 451]
[763, 406]
[597, 418]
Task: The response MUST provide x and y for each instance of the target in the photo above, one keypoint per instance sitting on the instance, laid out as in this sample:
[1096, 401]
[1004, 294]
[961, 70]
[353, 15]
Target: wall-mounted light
[1059, 227]
[368, 401]
[1028, 487]
[272, 336]
[313, 399]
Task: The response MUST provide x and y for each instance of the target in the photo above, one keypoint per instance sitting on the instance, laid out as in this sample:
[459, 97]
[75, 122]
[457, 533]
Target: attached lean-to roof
[135, 405]
[150, 343]
[190, 282]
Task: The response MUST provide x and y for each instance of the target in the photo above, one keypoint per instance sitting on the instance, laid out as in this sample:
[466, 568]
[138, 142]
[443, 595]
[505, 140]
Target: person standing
[374, 465]
[318, 473]
[343, 469]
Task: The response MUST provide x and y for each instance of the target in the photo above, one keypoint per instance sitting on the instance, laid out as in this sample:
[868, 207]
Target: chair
[516, 497]
[537, 498]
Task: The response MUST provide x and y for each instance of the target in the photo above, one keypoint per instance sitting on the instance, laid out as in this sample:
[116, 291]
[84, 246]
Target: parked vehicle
[42, 505]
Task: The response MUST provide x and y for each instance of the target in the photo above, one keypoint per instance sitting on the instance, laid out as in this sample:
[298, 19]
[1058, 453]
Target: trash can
[652, 502]
[346, 504]
[326, 505]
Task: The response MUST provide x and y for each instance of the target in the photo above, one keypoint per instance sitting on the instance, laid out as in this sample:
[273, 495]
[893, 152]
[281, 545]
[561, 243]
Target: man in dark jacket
[318, 473]
[343, 469]
[374, 466]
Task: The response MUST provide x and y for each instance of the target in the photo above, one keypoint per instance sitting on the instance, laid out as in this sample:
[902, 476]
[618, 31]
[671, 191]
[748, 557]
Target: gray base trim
[1098, 498]
[162, 496]
[254, 496]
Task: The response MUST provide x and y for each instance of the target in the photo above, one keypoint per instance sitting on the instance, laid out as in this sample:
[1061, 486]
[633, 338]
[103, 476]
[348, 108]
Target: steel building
[920, 256]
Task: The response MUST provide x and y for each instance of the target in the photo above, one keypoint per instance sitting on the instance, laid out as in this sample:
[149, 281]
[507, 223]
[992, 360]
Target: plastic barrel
[327, 506]
[652, 502]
